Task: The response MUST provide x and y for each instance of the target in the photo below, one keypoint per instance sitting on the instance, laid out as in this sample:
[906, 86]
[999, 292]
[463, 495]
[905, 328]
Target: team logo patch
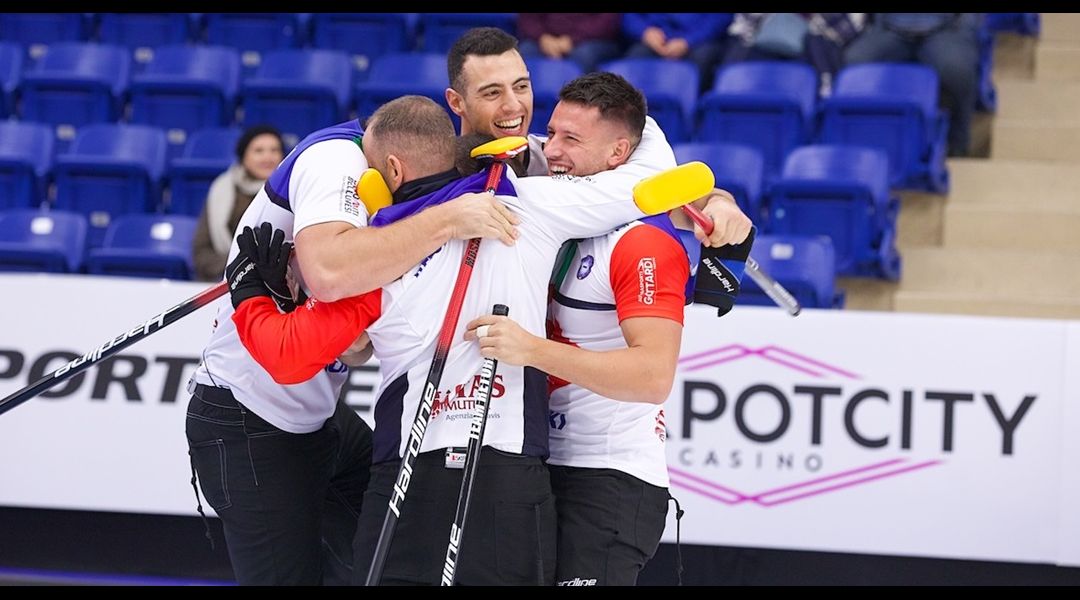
[646, 269]
[586, 267]
[350, 202]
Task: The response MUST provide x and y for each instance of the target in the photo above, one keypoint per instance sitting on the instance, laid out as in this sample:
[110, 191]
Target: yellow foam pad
[372, 191]
[507, 146]
[673, 188]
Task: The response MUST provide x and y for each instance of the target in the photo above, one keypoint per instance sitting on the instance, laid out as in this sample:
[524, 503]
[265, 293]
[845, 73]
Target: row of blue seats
[160, 246]
[134, 245]
[115, 169]
[771, 105]
[360, 34]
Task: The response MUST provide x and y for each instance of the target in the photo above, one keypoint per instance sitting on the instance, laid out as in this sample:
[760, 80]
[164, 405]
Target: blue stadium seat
[36, 31]
[207, 153]
[26, 157]
[440, 30]
[298, 91]
[670, 87]
[892, 106]
[1021, 23]
[253, 34]
[185, 88]
[841, 192]
[804, 265]
[11, 61]
[143, 32]
[74, 85]
[769, 105]
[111, 169]
[364, 36]
[548, 76]
[146, 246]
[738, 169]
[396, 74]
[34, 240]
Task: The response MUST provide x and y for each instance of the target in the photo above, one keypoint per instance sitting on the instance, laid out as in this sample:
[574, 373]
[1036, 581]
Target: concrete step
[1053, 185]
[867, 294]
[968, 304]
[1060, 27]
[1039, 100]
[1007, 274]
[1035, 139]
[1013, 226]
[1057, 61]
[921, 220]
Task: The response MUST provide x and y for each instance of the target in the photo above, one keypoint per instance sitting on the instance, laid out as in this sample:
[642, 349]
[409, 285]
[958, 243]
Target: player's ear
[620, 153]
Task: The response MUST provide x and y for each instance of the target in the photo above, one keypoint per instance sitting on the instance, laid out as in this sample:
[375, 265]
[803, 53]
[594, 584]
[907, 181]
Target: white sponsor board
[837, 431]
[877, 433]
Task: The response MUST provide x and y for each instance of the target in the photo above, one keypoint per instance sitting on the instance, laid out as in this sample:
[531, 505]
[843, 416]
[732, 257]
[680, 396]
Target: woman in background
[258, 152]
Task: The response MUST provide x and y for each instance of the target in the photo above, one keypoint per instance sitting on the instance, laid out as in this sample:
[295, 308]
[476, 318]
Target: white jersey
[321, 189]
[637, 271]
[552, 210]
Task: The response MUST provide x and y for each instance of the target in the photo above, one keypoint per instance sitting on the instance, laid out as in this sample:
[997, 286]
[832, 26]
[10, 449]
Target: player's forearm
[627, 374]
[357, 260]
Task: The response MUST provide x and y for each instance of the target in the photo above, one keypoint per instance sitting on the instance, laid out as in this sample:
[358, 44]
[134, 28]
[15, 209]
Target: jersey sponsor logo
[646, 268]
[462, 399]
[556, 419]
[661, 427]
[350, 202]
[423, 263]
[586, 266]
[576, 582]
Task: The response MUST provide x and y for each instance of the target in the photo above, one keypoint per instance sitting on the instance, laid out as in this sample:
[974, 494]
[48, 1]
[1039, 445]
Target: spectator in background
[698, 37]
[948, 42]
[585, 38]
[258, 152]
[817, 39]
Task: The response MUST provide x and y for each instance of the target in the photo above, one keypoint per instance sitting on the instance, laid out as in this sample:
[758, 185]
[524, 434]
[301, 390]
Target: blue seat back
[548, 77]
[75, 84]
[111, 170]
[185, 88]
[142, 32]
[36, 31]
[298, 91]
[769, 105]
[253, 34]
[397, 74]
[737, 168]
[838, 191]
[26, 156]
[440, 30]
[11, 64]
[364, 36]
[207, 154]
[33, 240]
[146, 246]
[804, 265]
[670, 87]
[892, 106]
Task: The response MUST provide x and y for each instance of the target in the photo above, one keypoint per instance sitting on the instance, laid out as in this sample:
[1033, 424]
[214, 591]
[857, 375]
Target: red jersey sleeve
[649, 270]
[294, 347]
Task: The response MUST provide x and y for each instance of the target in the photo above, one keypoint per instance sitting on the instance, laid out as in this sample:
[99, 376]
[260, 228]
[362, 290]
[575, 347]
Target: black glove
[260, 267]
[720, 272]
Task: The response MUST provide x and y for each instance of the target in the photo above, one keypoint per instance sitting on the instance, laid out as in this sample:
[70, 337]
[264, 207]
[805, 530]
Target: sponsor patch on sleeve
[350, 202]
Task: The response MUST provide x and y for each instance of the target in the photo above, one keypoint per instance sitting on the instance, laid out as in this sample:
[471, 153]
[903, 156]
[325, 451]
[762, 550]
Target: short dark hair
[418, 129]
[478, 41]
[253, 132]
[467, 165]
[616, 98]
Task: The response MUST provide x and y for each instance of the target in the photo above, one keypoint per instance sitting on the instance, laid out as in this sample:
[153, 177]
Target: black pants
[509, 536]
[610, 525]
[289, 503]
